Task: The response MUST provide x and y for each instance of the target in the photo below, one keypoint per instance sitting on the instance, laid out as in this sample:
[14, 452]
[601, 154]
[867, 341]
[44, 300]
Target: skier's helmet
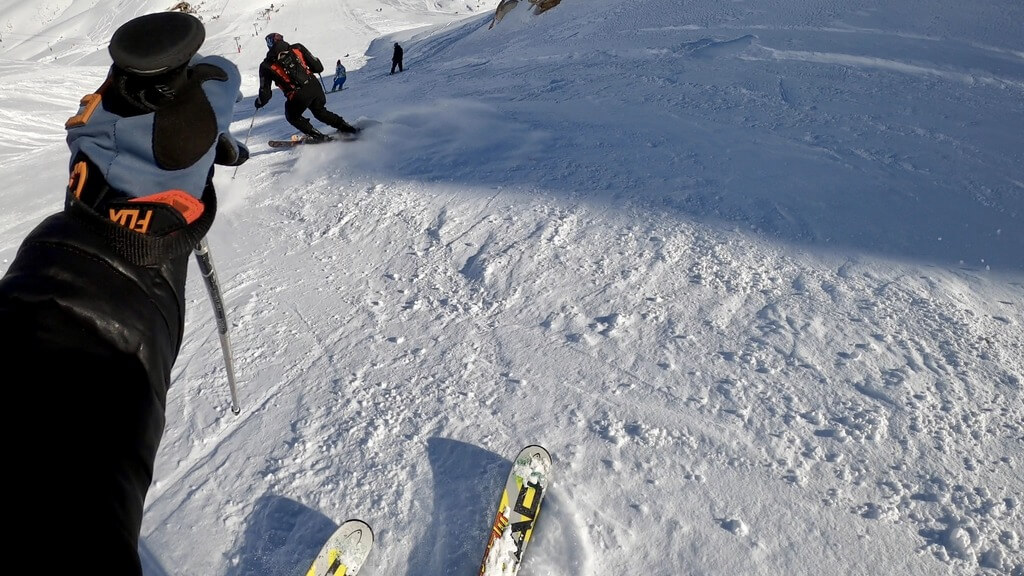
[272, 38]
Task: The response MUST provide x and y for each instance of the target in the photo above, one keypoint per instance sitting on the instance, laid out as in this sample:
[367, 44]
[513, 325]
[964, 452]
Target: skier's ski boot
[316, 137]
[346, 128]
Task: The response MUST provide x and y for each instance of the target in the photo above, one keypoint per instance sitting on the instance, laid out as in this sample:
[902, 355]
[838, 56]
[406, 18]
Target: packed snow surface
[753, 272]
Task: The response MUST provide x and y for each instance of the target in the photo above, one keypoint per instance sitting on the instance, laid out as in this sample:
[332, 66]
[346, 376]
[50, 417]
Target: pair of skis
[363, 124]
[346, 550]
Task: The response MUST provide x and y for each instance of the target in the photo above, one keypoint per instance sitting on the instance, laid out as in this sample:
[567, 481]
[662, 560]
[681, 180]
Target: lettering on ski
[517, 513]
[345, 551]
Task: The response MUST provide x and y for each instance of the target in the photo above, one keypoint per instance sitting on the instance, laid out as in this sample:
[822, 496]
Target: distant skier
[292, 68]
[396, 58]
[339, 77]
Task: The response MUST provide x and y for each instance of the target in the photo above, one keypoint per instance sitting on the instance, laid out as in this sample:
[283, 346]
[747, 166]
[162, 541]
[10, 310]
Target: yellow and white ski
[345, 551]
[517, 513]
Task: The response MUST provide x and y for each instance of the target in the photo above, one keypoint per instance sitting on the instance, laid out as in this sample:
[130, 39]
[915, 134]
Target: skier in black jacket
[396, 58]
[292, 68]
[92, 307]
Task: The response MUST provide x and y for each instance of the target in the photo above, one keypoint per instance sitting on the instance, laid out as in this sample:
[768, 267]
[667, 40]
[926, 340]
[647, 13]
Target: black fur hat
[151, 55]
[155, 44]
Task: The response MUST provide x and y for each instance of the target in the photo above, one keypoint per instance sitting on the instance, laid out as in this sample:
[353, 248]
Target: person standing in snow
[92, 307]
[396, 58]
[292, 68]
[339, 77]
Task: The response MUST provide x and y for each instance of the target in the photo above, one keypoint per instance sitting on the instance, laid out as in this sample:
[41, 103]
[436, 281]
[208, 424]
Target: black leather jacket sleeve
[95, 338]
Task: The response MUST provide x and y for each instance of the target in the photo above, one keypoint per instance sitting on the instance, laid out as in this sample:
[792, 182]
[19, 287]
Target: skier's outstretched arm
[265, 93]
[92, 307]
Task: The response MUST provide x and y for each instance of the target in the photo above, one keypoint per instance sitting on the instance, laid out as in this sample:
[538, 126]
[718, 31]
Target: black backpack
[296, 71]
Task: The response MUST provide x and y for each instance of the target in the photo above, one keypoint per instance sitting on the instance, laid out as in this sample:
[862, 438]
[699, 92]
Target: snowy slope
[753, 272]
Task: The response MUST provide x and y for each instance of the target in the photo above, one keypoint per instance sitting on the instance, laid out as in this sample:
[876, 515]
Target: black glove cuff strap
[147, 250]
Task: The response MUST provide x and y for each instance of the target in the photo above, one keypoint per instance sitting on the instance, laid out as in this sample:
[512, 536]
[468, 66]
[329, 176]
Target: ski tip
[357, 524]
[534, 456]
[346, 550]
[536, 448]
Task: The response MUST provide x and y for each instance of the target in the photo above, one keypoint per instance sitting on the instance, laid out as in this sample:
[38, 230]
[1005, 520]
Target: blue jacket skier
[291, 67]
[92, 307]
[339, 77]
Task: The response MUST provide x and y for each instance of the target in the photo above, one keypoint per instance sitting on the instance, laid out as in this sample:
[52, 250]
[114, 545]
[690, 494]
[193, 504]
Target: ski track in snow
[716, 360]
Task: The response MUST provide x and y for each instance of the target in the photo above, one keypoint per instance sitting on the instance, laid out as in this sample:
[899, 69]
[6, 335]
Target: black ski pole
[322, 85]
[205, 261]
